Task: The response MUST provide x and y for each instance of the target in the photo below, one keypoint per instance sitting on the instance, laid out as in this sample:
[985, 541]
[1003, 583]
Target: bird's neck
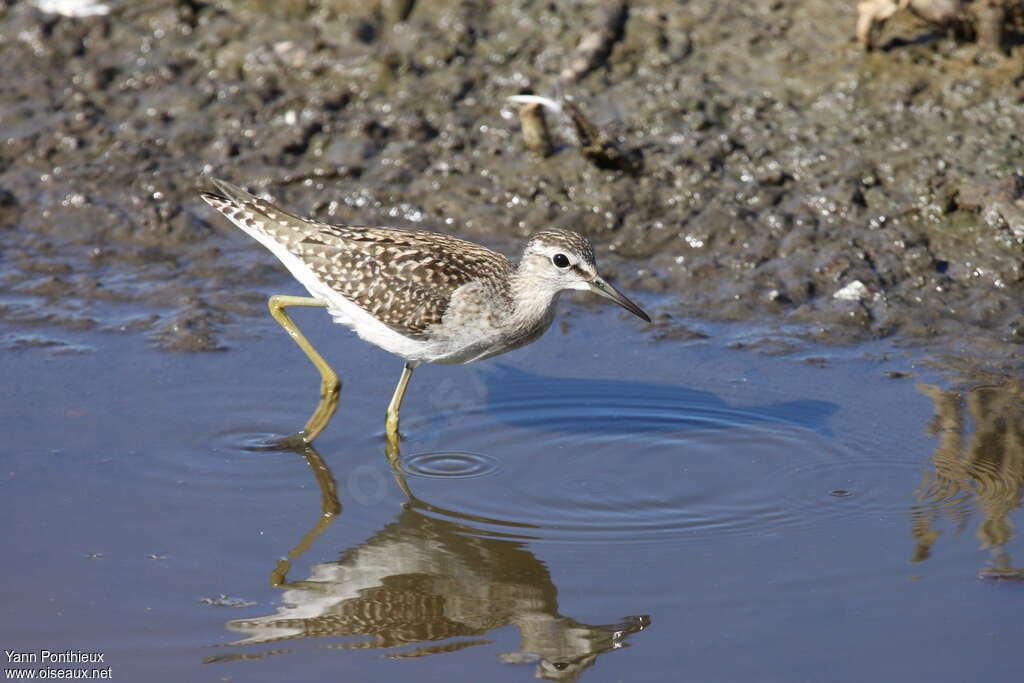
[533, 304]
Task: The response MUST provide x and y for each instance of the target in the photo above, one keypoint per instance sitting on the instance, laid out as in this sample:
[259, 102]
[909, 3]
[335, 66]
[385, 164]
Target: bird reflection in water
[428, 582]
[982, 469]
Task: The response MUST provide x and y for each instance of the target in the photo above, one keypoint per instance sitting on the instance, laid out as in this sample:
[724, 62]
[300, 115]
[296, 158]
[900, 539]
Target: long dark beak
[599, 286]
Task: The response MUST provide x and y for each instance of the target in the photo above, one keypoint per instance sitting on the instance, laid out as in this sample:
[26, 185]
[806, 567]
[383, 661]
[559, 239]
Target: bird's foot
[292, 442]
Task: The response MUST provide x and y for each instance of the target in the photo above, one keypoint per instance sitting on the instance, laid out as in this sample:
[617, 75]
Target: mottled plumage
[421, 295]
[403, 278]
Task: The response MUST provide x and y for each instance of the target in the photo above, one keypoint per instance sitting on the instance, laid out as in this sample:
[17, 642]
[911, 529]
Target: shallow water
[596, 505]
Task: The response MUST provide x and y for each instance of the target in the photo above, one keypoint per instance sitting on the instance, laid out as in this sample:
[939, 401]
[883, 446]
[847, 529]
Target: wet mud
[788, 176]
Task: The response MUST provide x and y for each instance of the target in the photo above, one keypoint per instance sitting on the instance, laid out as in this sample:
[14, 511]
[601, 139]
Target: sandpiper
[424, 296]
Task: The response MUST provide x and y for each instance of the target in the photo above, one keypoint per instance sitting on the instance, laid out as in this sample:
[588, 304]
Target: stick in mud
[597, 147]
[535, 129]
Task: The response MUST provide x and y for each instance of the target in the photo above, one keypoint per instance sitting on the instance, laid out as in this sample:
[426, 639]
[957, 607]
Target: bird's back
[403, 278]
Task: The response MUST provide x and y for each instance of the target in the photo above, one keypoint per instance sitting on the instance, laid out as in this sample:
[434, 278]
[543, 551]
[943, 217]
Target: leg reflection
[330, 508]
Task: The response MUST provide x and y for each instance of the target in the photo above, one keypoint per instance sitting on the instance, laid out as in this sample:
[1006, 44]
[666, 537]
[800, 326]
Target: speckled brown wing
[404, 278]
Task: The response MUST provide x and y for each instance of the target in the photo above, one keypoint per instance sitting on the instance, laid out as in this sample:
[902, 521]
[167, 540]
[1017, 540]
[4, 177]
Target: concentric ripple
[449, 465]
[247, 441]
[627, 461]
[203, 447]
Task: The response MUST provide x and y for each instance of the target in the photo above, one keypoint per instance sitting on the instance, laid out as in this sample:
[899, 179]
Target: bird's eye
[560, 260]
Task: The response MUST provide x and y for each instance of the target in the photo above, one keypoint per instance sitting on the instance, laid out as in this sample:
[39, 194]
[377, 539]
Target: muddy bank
[787, 177]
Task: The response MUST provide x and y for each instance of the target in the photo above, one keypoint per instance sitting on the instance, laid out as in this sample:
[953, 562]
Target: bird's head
[557, 260]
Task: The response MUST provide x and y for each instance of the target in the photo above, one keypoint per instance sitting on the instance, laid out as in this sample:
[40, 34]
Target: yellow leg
[393, 449]
[391, 424]
[330, 385]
